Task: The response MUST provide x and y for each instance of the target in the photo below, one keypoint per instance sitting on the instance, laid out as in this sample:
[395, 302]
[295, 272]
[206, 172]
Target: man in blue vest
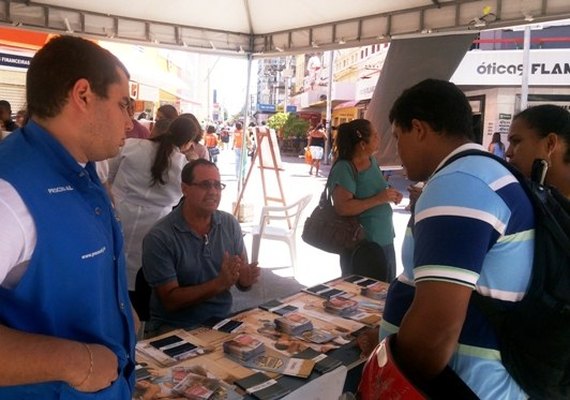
[66, 326]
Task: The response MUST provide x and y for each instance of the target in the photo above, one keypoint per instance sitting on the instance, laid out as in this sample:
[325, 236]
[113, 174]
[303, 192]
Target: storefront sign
[504, 123]
[504, 68]
[15, 60]
[265, 107]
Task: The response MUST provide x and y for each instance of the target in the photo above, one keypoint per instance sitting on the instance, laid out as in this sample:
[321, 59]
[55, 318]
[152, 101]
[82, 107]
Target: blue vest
[75, 283]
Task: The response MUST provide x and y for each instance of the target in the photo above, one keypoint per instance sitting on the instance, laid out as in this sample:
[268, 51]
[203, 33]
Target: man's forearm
[429, 332]
[29, 358]
[180, 297]
[420, 355]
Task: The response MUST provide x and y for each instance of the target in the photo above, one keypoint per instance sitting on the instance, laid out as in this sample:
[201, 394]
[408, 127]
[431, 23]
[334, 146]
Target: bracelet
[90, 366]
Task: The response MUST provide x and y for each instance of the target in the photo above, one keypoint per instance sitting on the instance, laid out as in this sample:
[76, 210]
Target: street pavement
[313, 265]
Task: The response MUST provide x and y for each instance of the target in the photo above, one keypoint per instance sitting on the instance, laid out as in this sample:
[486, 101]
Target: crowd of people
[72, 247]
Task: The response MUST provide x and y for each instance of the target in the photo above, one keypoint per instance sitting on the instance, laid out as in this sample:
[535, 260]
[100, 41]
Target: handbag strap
[326, 194]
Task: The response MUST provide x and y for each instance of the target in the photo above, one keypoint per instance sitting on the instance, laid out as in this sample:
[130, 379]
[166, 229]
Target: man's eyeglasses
[208, 185]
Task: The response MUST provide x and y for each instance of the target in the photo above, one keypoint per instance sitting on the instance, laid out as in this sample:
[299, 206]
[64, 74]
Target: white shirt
[18, 234]
[138, 204]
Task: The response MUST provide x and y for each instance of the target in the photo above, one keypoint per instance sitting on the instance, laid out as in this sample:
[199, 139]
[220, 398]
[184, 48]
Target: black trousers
[367, 259]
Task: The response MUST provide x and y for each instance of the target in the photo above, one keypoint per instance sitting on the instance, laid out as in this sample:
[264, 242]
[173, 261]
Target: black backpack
[534, 335]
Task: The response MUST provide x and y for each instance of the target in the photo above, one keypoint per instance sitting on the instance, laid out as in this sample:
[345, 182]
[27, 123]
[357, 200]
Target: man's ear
[420, 128]
[80, 94]
[552, 143]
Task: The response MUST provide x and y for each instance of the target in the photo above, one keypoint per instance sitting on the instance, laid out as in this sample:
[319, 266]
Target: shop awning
[346, 104]
[363, 103]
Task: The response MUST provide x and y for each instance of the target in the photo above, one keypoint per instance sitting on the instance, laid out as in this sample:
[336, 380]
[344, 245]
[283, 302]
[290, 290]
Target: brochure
[262, 387]
[274, 361]
[170, 348]
[323, 363]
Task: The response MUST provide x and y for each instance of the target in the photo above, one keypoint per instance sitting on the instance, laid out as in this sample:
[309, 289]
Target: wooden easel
[262, 135]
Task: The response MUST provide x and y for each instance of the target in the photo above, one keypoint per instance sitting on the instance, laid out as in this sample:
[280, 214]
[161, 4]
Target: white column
[525, 70]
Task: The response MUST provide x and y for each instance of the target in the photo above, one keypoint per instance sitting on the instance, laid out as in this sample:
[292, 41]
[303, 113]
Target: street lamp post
[210, 70]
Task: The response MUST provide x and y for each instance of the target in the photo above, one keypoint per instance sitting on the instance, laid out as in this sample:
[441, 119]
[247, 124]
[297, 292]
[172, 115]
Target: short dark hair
[188, 170]
[548, 118]
[439, 103]
[6, 104]
[349, 135]
[58, 65]
[168, 110]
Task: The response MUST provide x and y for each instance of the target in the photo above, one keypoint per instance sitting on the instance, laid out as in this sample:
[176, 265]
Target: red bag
[382, 379]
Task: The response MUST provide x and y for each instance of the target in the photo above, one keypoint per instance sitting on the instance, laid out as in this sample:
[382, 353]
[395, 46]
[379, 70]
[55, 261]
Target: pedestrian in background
[496, 146]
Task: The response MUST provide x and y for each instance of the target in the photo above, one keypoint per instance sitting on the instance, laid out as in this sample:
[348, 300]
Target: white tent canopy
[265, 28]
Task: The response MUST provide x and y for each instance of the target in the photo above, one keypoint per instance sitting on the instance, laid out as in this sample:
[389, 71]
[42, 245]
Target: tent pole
[329, 107]
[245, 124]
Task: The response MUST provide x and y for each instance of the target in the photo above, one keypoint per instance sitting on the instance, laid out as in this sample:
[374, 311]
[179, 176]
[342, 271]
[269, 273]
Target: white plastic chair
[285, 231]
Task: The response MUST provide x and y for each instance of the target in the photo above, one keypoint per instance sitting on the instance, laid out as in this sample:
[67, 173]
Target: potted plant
[291, 131]
[295, 129]
[277, 121]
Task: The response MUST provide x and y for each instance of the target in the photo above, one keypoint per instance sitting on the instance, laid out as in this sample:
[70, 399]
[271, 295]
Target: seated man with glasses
[194, 255]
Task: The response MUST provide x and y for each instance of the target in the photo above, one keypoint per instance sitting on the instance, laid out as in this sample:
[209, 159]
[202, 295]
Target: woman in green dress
[359, 188]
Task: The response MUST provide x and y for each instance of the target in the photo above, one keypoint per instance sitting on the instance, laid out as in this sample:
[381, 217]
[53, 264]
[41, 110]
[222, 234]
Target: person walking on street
[240, 140]
[211, 141]
[496, 146]
[316, 143]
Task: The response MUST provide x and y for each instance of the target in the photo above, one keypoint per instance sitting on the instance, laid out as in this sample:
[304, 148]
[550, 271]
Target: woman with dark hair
[196, 149]
[146, 184]
[542, 132]
[166, 111]
[496, 146]
[316, 144]
[359, 188]
[160, 128]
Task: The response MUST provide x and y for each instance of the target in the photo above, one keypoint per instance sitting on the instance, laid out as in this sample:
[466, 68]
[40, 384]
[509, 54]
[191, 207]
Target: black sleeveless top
[320, 142]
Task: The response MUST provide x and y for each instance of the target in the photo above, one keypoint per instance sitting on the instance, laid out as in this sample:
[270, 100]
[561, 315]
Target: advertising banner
[549, 67]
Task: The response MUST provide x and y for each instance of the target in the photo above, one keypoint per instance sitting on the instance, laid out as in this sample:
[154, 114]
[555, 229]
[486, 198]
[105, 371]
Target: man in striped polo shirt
[473, 231]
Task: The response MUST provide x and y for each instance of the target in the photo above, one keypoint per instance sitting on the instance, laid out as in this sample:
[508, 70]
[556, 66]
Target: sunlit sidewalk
[313, 265]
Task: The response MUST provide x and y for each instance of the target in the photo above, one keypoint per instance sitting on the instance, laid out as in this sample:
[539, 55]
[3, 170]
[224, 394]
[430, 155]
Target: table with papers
[192, 363]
